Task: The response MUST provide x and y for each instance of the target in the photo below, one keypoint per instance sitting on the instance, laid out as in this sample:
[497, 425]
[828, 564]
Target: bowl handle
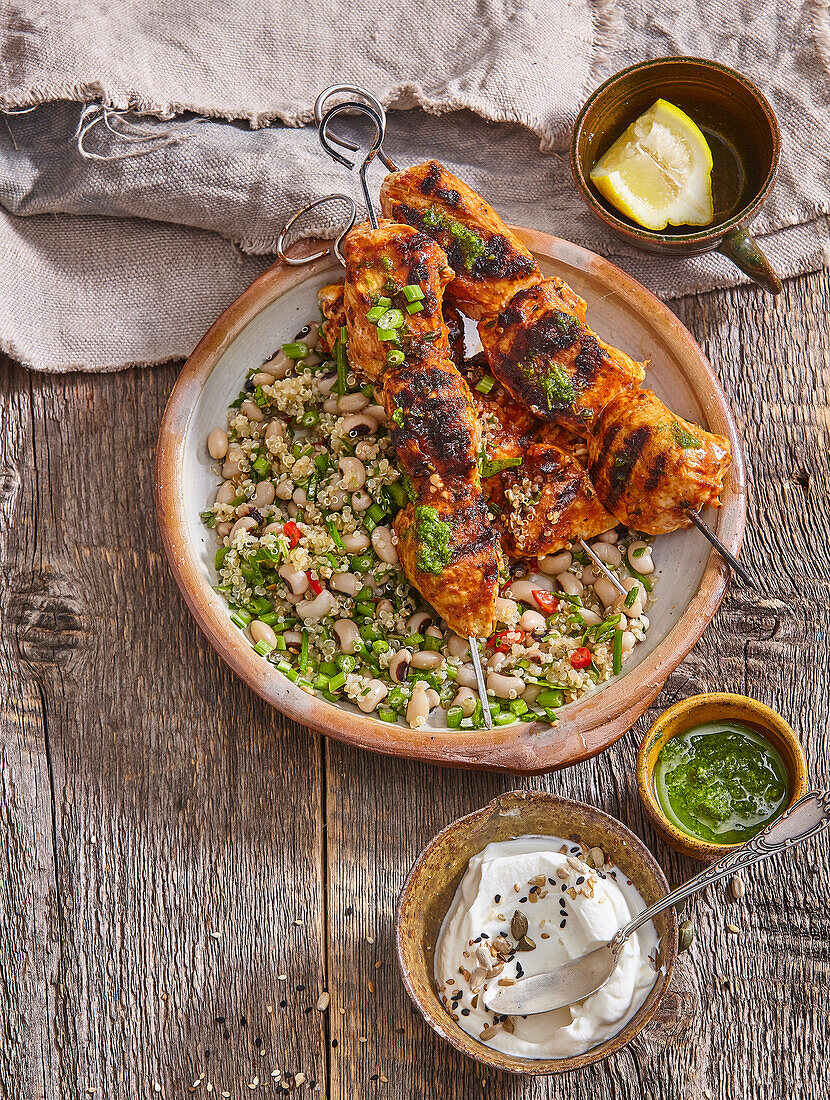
[743, 251]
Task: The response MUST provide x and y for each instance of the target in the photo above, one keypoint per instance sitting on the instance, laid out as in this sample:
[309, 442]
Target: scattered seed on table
[323, 1001]
[737, 886]
[734, 929]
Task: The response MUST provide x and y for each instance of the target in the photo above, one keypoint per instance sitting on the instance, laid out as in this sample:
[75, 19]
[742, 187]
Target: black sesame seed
[226, 1035]
[580, 880]
[300, 988]
[551, 882]
[564, 887]
[576, 848]
[220, 1019]
[465, 1012]
[283, 1004]
[519, 970]
[485, 935]
[534, 889]
[521, 900]
[243, 1021]
[334, 1042]
[498, 898]
[562, 923]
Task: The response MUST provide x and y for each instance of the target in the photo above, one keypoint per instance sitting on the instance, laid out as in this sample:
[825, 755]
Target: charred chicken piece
[379, 264]
[546, 503]
[449, 551]
[549, 359]
[490, 262]
[649, 465]
[333, 307]
[431, 417]
[448, 548]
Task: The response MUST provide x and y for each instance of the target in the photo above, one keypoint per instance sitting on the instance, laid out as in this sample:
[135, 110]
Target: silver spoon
[576, 980]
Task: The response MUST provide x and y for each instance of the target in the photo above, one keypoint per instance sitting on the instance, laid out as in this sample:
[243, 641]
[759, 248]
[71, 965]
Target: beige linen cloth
[106, 263]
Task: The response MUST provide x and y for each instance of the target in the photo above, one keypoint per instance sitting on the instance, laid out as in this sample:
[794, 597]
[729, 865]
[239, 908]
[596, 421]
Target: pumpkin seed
[685, 936]
[737, 886]
[518, 925]
[526, 944]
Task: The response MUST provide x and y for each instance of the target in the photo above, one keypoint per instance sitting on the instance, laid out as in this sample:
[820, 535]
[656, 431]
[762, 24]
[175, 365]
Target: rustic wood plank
[163, 827]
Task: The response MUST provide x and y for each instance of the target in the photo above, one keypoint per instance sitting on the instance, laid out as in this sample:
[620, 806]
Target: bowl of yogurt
[517, 888]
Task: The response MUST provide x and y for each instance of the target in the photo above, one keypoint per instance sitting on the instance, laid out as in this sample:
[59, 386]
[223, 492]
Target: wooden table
[184, 871]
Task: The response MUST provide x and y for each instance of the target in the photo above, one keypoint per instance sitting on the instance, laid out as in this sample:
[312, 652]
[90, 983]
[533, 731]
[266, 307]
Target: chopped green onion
[367, 609]
[551, 714]
[414, 307]
[617, 652]
[335, 535]
[309, 419]
[638, 552]
[644, 581]
[413, 293]
[384, 303]
[321, 682]
[486, 384]
[414, 639]
[362, 563]
[631, 597]
[454, 716]
[208, 518]
[269, 618]
[386, 714]
[296, 351]
[392, 318]
[518, 706]
[395, 357]
[260, 464]
[381, 646]
[376, 511]
[553, 697]
[386, 334]
[241, 619]
[221, 554]
[342, 364]
[337, 682]
[263, 648]
[304, 652]
[432, 643]
[396, 494]
[281, 643]
[504, 718]
[375, 313]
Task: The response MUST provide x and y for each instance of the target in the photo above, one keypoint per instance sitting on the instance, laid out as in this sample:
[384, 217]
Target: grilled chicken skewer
[538, 345]
[447, 545]
[532, 328]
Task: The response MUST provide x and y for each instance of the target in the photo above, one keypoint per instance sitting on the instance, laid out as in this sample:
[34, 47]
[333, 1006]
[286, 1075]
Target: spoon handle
[804, 819]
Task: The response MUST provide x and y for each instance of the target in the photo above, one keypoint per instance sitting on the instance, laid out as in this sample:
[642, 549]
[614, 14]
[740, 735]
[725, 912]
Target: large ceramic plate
[692, 579]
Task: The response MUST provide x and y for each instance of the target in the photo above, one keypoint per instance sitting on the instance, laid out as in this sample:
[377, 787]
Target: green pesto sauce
[684, 438]
[554, 382]
[433, 537]
[721, 782]
[472, 246]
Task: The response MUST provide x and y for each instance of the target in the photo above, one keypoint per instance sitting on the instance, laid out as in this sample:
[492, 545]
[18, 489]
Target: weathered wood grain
[163, 830]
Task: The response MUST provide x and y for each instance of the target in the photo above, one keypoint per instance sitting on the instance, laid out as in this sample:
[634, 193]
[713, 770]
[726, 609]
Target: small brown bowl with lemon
[713, 116]
[716, 769]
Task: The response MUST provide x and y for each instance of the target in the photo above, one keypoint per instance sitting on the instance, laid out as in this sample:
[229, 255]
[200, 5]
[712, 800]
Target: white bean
[263, 378]
[296, 579]
[226, 493]
[217, 444]
[231, 467]
[634, 610]
[589, 617]
[554, 564]
[331, 405]
[505, 687]
[365, 450]
[496, 661]
[352, 403]
[532, 620]
[293, 637]
[523, 590]
[458, 647]
[322, 605]
[427, 659]
[247, 523]
[466, 676]
[280, 365]
[377, 412]
[531, 693]
[263, 494]
[608, 536]
[252, 411]
[645, 622]
[360, 501]
[346, 582]
[272, 529]
[355, 541]
[417, 623]
[347, 634]
[467, 699]
[628, 641]
[262, 632]
[327, 383]
[606, 591]
[417, 709]
[607, 553]
[570, 584]
[644, 563]
[371, 696]
[352, 474]
[275, 430]
[299, 497]
[285, 490]
[223, 529]
[382, 544]
[337, 499]
[433, 698]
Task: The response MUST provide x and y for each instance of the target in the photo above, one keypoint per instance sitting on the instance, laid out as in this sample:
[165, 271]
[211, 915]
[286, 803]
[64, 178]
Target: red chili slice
[293, 531]
[581, 658]
[504, 639]
[313, 583]
[546, 600]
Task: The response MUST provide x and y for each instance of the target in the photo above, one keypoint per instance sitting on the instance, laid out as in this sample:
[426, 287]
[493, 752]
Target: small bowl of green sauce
[716, 769]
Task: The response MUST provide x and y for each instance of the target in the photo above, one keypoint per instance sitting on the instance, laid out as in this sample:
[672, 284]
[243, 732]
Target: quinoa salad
[307, 561]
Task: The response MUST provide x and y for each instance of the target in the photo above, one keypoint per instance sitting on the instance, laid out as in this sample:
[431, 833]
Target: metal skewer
[603, 568]
[373, 110]
[706, 530]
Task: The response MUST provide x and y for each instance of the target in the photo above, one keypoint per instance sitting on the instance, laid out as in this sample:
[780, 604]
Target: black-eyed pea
[427, 659]
[607, 553]
[263, 494]
[458, 647]
[417, 709]
[467, 699]
[347, 635]
[355, 542]
[554, 564]
[252, 411]
[375, 691]
[263, 378]
[246, 524]
[382, 545]
[570, 584]
[505, 687]
[262, 632]
[226, 493]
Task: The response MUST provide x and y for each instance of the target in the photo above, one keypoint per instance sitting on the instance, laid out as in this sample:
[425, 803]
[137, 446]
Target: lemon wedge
[659, 172]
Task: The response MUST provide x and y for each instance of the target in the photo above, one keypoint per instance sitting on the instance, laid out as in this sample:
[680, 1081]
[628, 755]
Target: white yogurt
[563, 924]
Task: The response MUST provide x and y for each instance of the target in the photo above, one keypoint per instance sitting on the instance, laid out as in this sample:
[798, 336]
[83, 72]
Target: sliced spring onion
[342, 365]
[296, 350]
[375, 313]
[553, 697]
[413, 293]
[387, 334]
[335, 535]
[395, 357]
[304, 652]
[414, 307]
[241, 619]
[616, 653]
[337, 682]
[432, 643]
[454, 716]
[486, 384]
[263, 648]
[386, 714]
